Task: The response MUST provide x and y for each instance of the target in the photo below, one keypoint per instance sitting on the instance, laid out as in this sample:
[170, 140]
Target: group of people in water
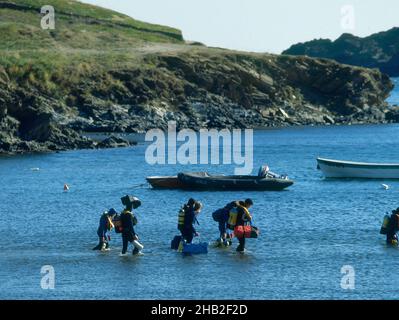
[234, 220]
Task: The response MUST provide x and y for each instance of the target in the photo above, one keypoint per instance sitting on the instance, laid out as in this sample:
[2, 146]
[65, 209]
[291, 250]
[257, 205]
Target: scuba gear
[138, 245]
[191, 205]
[385, 224]
[181, 218]
[232, 221]
[134, 218]
[117, 221]
[131, 200]
[233, 216]
[187, 217]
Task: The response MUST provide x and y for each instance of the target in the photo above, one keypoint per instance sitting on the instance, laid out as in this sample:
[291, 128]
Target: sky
[262, 25]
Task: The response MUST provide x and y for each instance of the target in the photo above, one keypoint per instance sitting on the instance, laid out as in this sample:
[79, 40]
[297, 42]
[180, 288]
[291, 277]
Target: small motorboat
[349, 169]
[206, 181]
[165, 182]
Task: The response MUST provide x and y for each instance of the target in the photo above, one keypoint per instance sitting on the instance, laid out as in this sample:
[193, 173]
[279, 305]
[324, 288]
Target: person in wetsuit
[392, 237]
[192, 209]
[128, 221]
[105, 225]
[243, 219]
[222, 217]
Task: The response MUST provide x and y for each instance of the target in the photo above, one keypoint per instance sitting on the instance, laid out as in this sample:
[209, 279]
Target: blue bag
[195, 248]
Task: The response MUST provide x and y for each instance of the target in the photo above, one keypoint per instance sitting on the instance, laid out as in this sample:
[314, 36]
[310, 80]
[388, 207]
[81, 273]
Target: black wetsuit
[128, 233]
[392, 229]
[189, 231]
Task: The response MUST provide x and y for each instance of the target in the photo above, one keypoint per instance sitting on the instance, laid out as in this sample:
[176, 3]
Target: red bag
[246, 232]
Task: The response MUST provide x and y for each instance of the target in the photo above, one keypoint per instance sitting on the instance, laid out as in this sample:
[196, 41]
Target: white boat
[349, 169]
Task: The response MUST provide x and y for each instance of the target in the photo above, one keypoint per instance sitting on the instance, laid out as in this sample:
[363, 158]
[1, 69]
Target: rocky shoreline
[224, 90]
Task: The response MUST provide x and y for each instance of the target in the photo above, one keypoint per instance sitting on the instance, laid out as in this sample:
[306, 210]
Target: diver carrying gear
[188, 218]
[105, 226]
[393, 228]
[127, 223]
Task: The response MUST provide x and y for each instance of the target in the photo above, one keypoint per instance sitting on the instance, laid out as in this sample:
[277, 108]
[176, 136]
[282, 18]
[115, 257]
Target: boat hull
[165, 182]
[203, 181]
[357, 170]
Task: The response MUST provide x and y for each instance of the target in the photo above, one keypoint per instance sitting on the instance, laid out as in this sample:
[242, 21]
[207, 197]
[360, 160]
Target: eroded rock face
[200, 88]
[380, 50]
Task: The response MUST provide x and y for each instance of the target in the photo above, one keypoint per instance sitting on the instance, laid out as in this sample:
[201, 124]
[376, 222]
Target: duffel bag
[246, 232]
[195, 248]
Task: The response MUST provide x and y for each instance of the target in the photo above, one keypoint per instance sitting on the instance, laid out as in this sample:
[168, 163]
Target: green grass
[86, 10]
[87, 42]
[78, 25]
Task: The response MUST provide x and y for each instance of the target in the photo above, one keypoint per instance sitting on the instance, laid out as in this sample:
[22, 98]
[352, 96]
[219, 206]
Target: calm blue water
[308, 232]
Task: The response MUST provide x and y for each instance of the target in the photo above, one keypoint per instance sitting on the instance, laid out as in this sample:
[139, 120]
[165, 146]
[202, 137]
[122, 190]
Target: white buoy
[385, 186]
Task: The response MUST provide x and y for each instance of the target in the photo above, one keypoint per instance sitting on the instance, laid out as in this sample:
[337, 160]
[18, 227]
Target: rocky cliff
[380, 50]
[99, 71]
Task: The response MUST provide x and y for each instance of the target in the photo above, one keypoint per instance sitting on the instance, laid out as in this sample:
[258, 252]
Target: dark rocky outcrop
[380, 50]
[114, 142]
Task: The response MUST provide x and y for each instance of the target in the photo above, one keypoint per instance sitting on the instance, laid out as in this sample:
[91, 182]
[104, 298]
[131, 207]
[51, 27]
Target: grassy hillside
[100, 70]
[87, 39]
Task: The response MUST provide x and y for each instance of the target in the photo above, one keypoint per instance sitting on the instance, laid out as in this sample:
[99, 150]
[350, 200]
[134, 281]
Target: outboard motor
[263, 171]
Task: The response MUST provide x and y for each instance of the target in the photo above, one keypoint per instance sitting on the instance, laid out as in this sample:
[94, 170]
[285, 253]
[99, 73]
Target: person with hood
[186, 222]
[128, 221]
[104, 227]
[393, 228]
